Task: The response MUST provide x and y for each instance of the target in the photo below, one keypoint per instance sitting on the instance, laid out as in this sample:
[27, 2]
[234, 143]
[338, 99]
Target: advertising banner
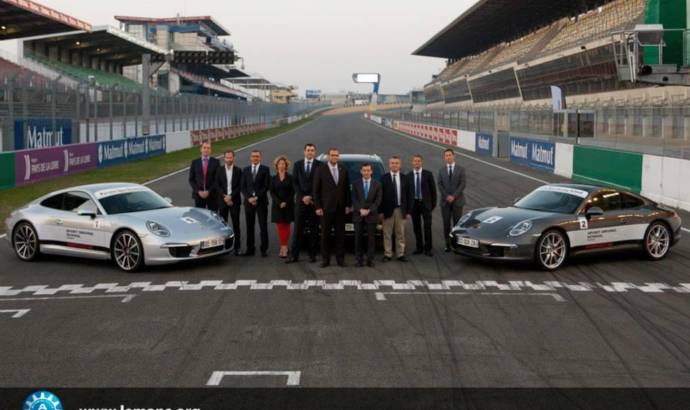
[607, 166]
[40, 164]
[35, 133]
[7, 179]
[130, 149]
[533, 153]
[485, 144]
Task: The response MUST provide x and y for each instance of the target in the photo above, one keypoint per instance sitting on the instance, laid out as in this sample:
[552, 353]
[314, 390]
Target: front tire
[128, 252]
[25, 242]
[551, 251]
[657, 241]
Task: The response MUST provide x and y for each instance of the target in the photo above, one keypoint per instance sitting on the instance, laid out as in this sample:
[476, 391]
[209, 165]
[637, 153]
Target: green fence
[608, 167]
[7, 179]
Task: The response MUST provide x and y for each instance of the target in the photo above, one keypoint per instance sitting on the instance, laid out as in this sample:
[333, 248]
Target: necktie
[308, 167]
[397, 190]
[254, 171]
[418, 186]
[366, 189]
[205, 169]
[450, 172]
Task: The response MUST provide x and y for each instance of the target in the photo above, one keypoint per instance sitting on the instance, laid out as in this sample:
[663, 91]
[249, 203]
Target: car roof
[93, 188]
[583, 187]
[354, 158]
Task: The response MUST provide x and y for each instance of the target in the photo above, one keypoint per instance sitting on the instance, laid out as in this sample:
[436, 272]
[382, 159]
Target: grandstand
[25, 18]
[608, 56]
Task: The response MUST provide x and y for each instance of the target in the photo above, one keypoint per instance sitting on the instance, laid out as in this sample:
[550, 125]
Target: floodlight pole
[146, 94]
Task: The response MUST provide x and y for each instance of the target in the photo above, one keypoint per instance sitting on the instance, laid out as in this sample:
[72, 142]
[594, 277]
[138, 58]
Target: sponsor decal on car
[565, 190]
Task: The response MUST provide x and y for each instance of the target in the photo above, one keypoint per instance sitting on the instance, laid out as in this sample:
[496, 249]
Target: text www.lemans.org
[123, 407]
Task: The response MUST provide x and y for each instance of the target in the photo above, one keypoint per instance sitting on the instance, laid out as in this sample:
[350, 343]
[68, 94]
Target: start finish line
[346, 285]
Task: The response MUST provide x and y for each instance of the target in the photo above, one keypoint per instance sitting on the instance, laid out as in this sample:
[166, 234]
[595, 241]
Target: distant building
[283, 95]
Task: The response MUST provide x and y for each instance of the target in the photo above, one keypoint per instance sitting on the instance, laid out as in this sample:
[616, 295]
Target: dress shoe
[359, 264]
[429, 253]
[446, 249]
[370, 264]
[325, 264]
[418, 252]
[247, 254]
[341, 264]
[403, 259]
[312, 259]
[290, 259]
[237, 252]
[264, 254]
[387, 259]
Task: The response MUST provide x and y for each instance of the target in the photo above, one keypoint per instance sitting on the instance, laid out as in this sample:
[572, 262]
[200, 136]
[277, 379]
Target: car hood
[499, 220]
[181, 220]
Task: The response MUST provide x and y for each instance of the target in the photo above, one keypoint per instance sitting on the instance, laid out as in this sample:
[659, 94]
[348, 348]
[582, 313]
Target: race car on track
[128, 223]
[559, 220]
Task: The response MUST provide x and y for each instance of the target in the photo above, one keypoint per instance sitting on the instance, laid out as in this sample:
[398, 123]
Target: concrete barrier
[665, 180]
[176, 141]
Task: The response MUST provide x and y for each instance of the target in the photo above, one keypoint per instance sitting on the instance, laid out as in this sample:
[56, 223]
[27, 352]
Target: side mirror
[516, 200]
[84, 212]
[168, 200]
[594, 211]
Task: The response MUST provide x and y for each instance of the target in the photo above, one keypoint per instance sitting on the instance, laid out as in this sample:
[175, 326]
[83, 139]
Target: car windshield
[136, 201]
[551, 201]
[354, 170]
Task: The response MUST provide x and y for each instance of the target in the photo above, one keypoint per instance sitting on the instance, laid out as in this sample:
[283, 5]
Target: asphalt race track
[602, 321]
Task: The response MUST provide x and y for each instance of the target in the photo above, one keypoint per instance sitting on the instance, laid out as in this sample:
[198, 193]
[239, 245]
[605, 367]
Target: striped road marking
[125, 290]
[293, 377]
[16, 313]
[381, 296]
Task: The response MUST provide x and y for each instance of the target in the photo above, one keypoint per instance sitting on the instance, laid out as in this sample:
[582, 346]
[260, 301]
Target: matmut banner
[431, 132]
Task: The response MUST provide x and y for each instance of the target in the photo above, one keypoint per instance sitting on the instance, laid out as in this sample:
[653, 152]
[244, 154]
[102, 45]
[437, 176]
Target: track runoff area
[611, 320]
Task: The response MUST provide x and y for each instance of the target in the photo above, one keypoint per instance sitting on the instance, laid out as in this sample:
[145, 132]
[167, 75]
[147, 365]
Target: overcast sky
[309, 43]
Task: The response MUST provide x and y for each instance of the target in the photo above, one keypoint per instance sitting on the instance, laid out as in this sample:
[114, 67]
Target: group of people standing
[317, 197]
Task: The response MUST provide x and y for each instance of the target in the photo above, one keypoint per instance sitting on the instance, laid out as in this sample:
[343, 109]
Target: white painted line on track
[410, 137]
[17, 313]
[125, 298]
[381, 296]
[3, 236]
[179, 171]
[685, 230]
[293, 377]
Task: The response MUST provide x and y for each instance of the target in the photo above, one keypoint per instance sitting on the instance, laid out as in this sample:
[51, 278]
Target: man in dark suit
[451, 186]
[421, 194]
[332, 202]
[394, 210]
[305, 214]
[202, 178]
[366, 199]
[256, 179]
[228, 187]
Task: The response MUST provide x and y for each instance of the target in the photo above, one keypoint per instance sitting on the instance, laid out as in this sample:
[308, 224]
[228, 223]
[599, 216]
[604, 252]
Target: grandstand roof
[254, 82]
[24, 18]
[106, 42]
[207, 20]
[491, 22]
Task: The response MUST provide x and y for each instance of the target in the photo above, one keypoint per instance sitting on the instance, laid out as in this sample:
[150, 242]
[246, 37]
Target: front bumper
[508, 249]
[159, 252]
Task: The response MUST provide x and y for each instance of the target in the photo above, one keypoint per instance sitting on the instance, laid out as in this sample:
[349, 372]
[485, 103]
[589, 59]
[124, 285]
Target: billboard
[7, 179]
[313, 94]
[485, 144]
[366, 78]
[39, 164]
[35, 133]
[533, 153]
[130, 149]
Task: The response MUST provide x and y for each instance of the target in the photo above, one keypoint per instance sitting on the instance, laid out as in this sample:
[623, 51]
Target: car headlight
[464, 219]
[157, 229]
[521, 228]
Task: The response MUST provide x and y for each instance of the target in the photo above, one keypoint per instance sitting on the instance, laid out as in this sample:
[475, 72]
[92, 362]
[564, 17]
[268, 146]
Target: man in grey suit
[366, 199]
[451, 186]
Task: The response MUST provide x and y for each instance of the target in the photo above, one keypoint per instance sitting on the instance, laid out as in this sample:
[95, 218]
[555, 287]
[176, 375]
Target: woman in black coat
[282, 202]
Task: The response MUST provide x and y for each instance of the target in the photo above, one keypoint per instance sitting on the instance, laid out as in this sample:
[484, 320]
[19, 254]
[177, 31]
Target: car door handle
[59, 221]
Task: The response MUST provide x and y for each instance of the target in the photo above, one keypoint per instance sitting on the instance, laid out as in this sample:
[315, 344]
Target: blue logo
[42, 400]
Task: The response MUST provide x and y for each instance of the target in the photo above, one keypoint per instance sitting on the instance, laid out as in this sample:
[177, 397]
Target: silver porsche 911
[555, 221]
[128, 223]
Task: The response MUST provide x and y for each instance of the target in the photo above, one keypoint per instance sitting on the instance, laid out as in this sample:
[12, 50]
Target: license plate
[470, 243]
[212, 243]
[349, 227]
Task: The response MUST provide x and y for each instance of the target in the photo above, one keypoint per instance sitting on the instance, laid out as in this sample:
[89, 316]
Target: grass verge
[135, 171]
